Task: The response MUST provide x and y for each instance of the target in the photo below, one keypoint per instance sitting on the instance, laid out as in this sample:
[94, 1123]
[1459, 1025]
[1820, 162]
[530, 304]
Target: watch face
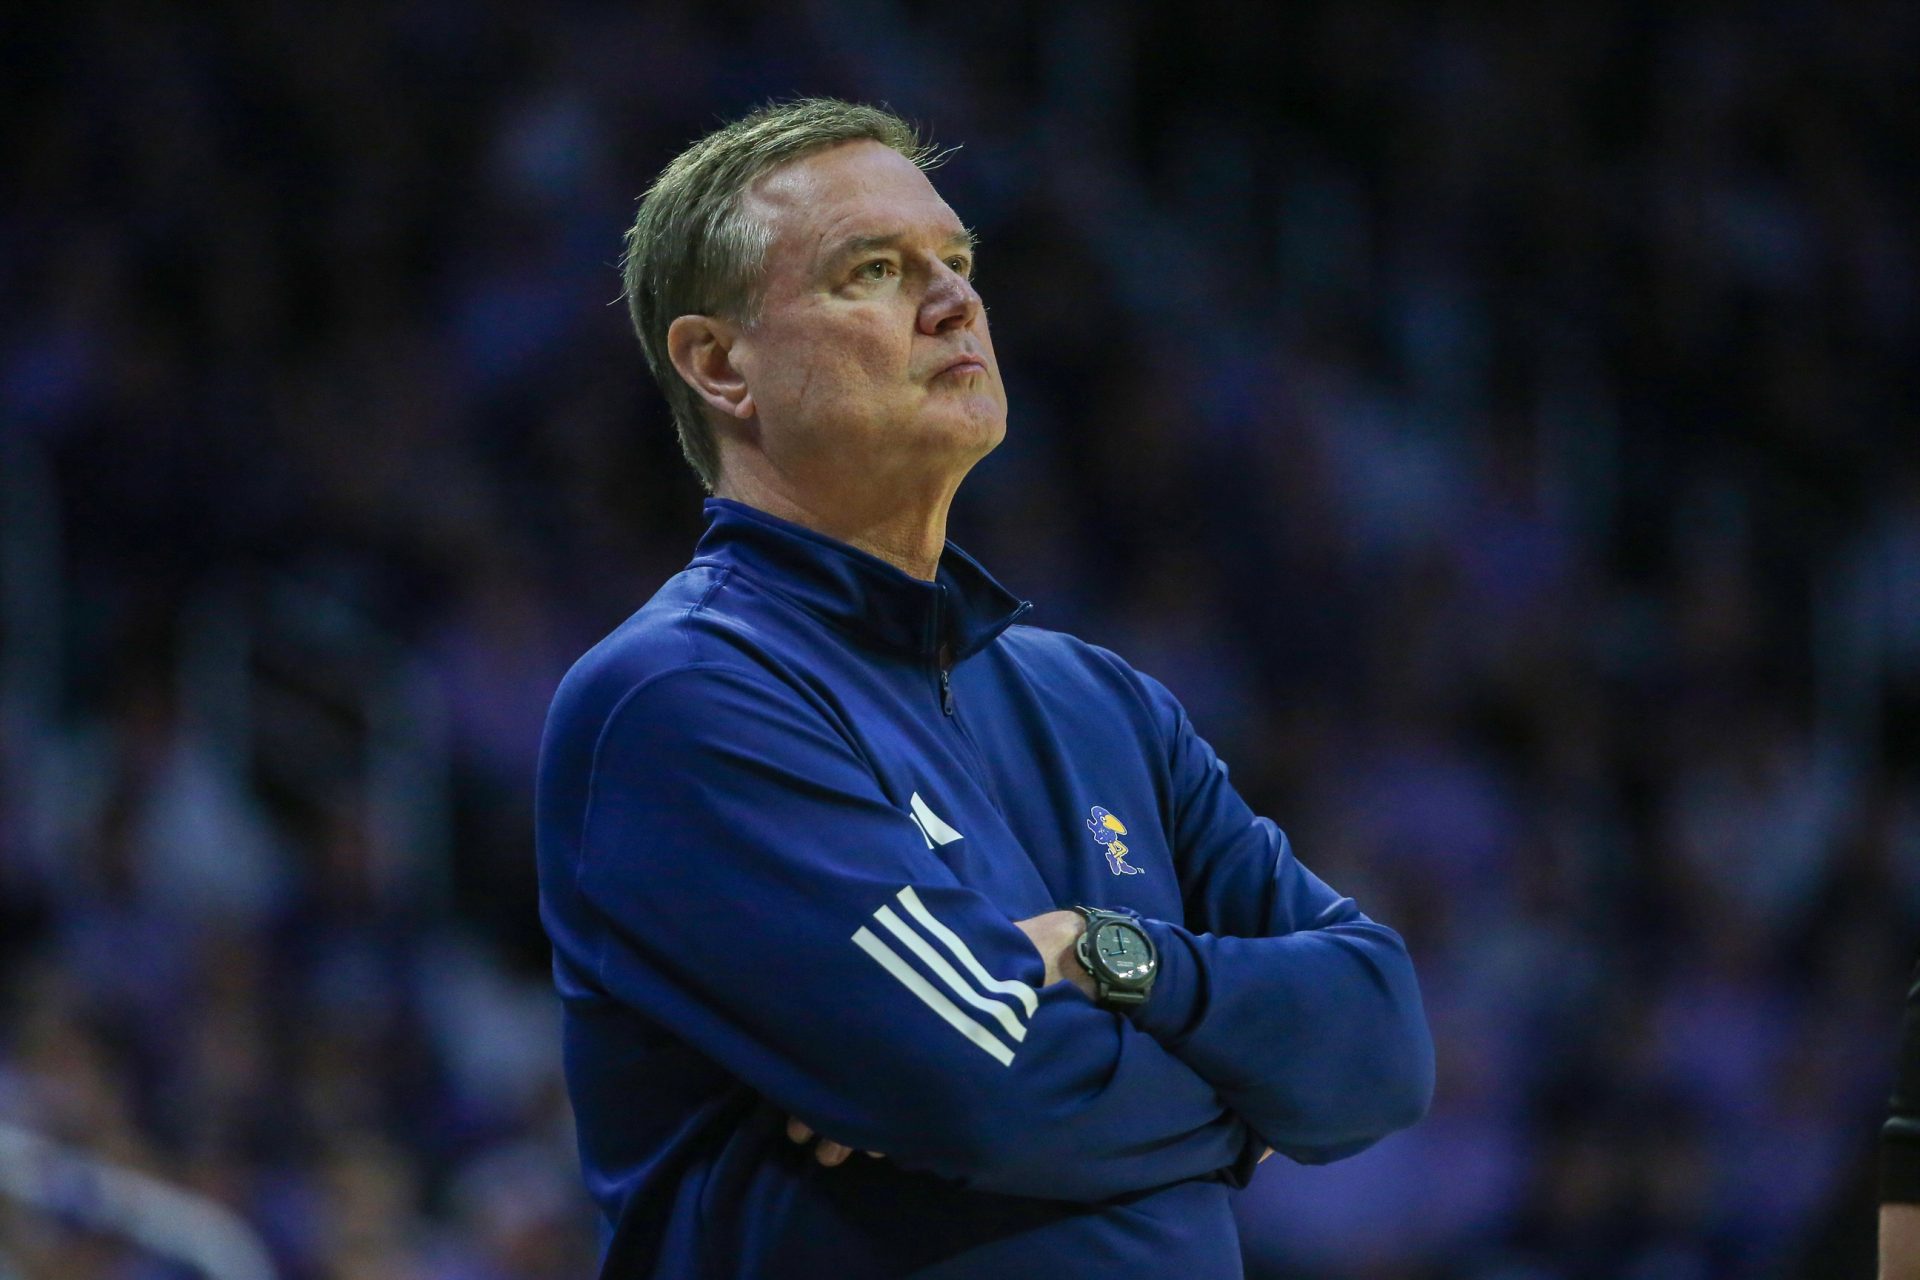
[1125, 952]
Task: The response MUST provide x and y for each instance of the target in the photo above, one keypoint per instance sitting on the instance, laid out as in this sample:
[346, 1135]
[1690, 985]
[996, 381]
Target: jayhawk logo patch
[1107, 830]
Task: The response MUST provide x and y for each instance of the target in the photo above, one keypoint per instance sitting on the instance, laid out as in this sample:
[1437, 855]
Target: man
[1900, 1154]
[813, 822]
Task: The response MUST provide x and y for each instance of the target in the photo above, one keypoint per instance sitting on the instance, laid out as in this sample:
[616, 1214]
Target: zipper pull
[946, 692]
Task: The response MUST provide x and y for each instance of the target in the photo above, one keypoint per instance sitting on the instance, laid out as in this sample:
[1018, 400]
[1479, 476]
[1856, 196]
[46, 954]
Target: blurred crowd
[1497, 425]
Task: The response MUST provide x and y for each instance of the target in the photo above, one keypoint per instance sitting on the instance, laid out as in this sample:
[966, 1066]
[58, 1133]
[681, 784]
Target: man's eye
[878, 269]
[962, 266]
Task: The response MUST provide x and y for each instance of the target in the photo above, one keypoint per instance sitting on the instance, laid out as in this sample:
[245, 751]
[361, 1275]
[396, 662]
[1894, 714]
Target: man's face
[866, 307]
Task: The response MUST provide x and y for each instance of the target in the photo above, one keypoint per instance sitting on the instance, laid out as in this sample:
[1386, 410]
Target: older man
[832, 843]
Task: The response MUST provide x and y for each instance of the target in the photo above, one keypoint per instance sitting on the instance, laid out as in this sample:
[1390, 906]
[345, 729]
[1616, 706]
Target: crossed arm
[1305, 1034]
[743, 879]
[1055, 936]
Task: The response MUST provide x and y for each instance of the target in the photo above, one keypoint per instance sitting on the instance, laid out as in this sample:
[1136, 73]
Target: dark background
[1498, 426]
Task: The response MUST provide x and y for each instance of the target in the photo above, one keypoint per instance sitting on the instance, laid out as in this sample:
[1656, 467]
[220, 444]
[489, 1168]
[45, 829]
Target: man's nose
[951, 302]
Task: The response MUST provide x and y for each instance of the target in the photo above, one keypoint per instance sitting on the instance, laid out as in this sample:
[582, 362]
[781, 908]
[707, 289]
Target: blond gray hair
[693, 250]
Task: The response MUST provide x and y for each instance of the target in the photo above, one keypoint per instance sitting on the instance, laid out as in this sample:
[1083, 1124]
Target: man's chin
[977, 418]
[969, 437]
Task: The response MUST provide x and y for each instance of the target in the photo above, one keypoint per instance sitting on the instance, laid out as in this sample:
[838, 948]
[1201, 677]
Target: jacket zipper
[975, 764]
[939, 654]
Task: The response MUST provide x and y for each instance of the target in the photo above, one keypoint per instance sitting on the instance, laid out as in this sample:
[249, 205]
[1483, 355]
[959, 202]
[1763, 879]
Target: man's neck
[909, 535]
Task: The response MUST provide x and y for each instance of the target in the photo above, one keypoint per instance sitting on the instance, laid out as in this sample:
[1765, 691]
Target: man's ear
[701, 348]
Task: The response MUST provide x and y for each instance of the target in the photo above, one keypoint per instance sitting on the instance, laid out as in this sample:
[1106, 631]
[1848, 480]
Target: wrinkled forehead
[852, 190]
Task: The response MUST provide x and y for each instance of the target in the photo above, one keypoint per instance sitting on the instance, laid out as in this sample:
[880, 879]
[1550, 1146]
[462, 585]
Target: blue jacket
[782, 847]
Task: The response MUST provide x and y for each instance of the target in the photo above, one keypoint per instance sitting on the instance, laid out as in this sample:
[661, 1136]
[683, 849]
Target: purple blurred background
[1498, 426]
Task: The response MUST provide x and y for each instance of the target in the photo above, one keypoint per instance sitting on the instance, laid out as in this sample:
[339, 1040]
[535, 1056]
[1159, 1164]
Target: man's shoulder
[1064, 654]
[681, 632]
[1070, 667]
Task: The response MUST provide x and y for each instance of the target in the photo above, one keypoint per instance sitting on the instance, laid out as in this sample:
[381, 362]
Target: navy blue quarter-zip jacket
[788, 814]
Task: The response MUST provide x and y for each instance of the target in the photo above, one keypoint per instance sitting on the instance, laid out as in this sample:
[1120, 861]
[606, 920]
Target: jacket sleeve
[745, 883]
[1300, 1010]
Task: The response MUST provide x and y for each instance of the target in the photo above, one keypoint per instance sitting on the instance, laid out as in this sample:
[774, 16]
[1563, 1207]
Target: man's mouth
[964, 365]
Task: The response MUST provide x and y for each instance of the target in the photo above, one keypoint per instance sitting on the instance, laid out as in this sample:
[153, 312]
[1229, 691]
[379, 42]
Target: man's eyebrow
[963, 238]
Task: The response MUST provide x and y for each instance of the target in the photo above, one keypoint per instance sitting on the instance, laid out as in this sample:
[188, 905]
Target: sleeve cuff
[1899, 1157]
[1178, 1003]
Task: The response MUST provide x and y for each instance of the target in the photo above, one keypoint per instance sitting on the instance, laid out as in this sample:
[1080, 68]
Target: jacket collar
[861, 593]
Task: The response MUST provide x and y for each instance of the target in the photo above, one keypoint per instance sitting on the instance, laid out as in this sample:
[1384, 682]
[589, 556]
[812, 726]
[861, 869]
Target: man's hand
[826, 1151]
[1054, 935]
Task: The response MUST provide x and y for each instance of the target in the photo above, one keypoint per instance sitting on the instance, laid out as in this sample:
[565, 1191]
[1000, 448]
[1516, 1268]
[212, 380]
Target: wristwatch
[1119, 955]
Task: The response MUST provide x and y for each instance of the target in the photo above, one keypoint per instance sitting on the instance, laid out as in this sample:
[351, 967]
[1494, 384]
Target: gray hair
[693, 251]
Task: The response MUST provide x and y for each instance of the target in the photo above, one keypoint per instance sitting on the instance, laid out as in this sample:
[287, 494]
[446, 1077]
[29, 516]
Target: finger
[798, 1131]
[1264, 1155]
[831, 1153]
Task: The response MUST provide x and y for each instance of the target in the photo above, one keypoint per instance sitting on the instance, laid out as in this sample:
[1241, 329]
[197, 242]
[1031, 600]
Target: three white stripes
[972, 993]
